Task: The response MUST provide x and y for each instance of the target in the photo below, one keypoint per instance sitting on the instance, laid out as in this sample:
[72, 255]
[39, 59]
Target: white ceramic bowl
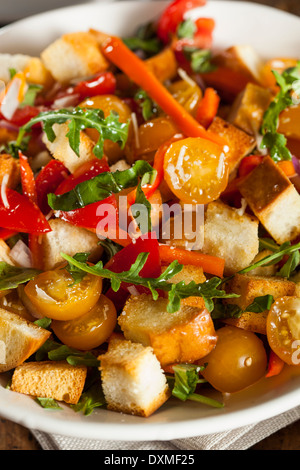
[272, 33]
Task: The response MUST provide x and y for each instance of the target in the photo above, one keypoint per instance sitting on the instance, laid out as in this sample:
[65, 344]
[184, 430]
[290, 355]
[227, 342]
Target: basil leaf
[12, 276]
[102, 186]
[260, 304]
[109, 128]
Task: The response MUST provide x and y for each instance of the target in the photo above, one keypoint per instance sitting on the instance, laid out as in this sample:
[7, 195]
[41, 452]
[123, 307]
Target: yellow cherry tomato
[196, 170]
[91, 329]
[238, 360]
[108, 103]
[188, 95]
[54, 294]
[283, 329]
[152, 134]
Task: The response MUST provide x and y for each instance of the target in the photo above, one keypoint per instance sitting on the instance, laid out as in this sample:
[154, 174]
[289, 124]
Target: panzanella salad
[149, 217]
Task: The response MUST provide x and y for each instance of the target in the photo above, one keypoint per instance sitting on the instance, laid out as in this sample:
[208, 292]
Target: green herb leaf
[48, 403]
[43, 323]
[12, 73]
[176, 292]
[111, 248]
[145, 40]
[149, 108]
[138, 211]
[200, 59]
[289, 82]
[186, 29]
[102, 186]
[260, 304]
[289, 267]
[109, 128]
[30, 95]
[90, 399]
[12, 148]
[73, 356]
[222, 311]
[76, 273]
[12, 276]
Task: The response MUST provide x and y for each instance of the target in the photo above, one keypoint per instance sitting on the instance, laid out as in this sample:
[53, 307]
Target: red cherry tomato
[102, 84]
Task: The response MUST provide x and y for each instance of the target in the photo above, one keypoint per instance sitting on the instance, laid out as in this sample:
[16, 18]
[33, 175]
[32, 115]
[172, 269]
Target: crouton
[163, 65]
[242, 58]
[183, 336]
[250, 287]
[74, 56]
[289, 123]
[121, 165]
[230, 236]
[132, 379]
[16, 62]
[240, 144]
[188, 274]
[4, 253]
[9, 166]
[49, 379]
[249, 107]
[61, 150]
[274, 200]
[36, 73]
[21, 339]
[65, 238]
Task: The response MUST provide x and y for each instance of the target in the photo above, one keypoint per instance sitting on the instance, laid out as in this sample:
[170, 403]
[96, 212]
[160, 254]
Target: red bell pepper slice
[85, 172]
[23, 115]
[47, 181]
[20, 214]
[173, 15]
[102, 84]
[27, 179]
[5, 234]
[249, 163]
[275, 365]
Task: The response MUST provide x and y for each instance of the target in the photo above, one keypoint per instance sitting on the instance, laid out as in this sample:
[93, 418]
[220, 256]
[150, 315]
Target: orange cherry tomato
[195, 170]
[54, 294]
[154, 133]
[89, 330]
[238, 360]
[187, 95]
[283, 329]
[108, 103]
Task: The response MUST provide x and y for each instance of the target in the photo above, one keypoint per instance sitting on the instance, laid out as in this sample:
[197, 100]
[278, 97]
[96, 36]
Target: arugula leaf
[260, 304]
[48, 403]
[140, 200]
[207, 290]
[289, 267]
[90, 399]
[111, 248]
[102, 186]
[76, 273]
[12, 148]
[186, 378]
[222, 311]
[149, 108]
[186, 29]
[288, 82]
[79, 119]
[55, 351]
[12, 276]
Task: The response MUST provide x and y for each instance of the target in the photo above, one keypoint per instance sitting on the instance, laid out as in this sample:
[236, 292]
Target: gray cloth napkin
[237, 439]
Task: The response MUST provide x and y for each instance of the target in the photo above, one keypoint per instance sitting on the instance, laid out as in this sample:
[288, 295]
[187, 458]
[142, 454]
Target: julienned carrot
[208, 107]
[158, 165]
[275, 365]
[210, 264]
[118, 53]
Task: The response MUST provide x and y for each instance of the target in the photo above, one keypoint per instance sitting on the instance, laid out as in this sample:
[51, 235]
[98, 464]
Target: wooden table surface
[16, 437]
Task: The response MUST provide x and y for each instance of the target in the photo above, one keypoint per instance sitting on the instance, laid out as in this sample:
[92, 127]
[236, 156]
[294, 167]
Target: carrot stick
[208, 107]
[210, 264]
[287, 167]
[119, 54]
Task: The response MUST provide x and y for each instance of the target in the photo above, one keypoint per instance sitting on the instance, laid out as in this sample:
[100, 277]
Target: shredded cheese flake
[184, 76]
[3, 191]
[135, 129]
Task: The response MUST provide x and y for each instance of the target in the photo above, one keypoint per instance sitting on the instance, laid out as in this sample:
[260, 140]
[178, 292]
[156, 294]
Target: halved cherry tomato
[173, 15]
[54, 294]
[196, 171]
[89, 330]
[283, 329]
[102, 84]
[238, 360]
[153, 134]
[108, 103]
[188, 95]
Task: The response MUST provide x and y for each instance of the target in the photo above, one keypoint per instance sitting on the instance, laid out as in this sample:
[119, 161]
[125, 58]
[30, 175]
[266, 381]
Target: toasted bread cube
[9, 166]
[133, 381]
[49, 379]
[230, 236]
[36, 73]
[120, 165]
[240, 143]
[249, 107]
[163, 65]
[61, 150]
[183, 336]
[274, 200]
[188, 274]
[68, 239]
[21, 338]
[74, 55]
[250, 287]
[16, 62]
[242, 58]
